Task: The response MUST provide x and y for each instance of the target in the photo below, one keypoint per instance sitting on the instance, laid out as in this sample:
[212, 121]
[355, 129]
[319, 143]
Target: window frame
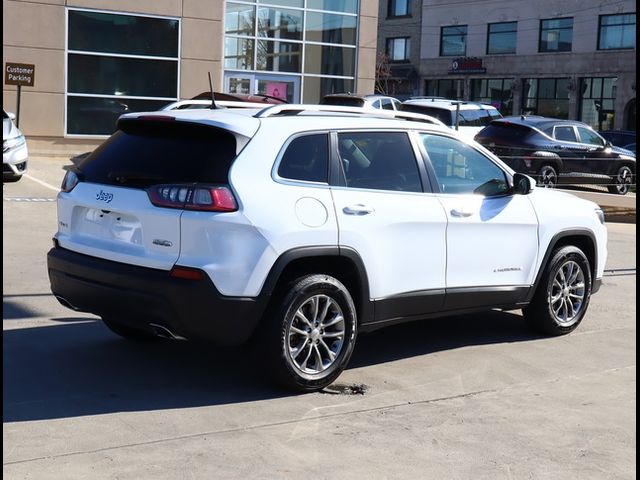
[542, 20]
[442, 36]
[67, 52]
[337, 178]
[407, 49]
[489, 33]
[600, 26]
[390, 10]
[307, 183]
[303, 75]
[433, 177]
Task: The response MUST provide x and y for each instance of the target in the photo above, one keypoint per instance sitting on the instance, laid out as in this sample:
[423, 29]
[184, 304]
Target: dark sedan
[558, 151]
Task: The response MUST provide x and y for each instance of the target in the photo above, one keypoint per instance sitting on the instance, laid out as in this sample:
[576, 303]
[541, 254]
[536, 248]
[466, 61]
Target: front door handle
[460, 213]
[358, 209]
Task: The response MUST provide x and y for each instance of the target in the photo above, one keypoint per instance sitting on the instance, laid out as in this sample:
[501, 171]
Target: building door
[285, 87]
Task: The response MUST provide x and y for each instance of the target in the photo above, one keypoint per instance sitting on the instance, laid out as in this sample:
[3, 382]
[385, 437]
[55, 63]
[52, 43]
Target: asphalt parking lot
[469, 397]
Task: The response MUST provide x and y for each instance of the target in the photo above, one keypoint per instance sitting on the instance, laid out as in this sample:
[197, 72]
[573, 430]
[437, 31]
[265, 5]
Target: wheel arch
[584, 239]
[342, 263]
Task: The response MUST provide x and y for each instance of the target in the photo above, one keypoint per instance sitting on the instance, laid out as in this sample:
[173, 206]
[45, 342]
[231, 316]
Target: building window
[548, 97]
[597, 102]
[398, 49]
[133, 62]
[496, 91]
[266, 45]
[502, 37]
[556, 35]
[453, 41]
[447, 88]
[617, 31]
[399, 8]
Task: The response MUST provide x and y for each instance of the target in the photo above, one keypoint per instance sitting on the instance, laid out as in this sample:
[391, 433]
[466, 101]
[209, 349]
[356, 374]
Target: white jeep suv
[302, 228]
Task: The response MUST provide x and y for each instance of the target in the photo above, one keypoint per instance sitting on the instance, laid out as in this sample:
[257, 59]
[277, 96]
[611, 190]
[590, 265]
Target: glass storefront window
[329, 60]
[556, 35]
[98, 116]
[496, 91]
[280, 23]
[278, 56]
[126, 34]
[343, 6]
[617, 31]
[597, 102]
[118, 63]
[239, 19]
[238, 53]
[548, 97]
[121, 76]
[453, 41]
[317, 87]
[448, 88]
[501, 37]
[331, 28]
[270, 38]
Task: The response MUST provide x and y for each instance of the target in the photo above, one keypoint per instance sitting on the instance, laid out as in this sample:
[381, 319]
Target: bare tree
[383, 73]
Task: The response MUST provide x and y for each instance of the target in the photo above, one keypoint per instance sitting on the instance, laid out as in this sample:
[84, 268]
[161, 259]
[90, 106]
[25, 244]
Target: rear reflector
[211, 198]
[186, 273]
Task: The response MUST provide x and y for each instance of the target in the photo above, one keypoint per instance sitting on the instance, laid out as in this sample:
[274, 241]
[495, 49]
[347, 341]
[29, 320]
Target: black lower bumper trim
[138, 297]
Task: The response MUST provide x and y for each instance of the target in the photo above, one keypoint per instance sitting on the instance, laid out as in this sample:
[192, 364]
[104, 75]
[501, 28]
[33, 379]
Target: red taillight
[193, 197]
[186, 273]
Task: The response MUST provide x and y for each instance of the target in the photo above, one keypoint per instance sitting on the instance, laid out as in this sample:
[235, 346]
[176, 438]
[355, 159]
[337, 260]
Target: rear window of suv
[441, 114]
[144, 153]
[505, 132]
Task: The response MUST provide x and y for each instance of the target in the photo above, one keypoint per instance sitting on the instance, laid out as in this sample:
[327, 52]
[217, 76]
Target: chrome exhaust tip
[164, 332]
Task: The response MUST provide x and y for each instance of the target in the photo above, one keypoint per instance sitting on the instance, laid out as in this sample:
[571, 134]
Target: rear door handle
[358, 209]
[460, 213]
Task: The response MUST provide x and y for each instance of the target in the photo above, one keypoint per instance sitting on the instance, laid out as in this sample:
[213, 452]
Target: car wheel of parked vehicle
[11, 178]
[128, 332]
[622, 181]
[563, 294]
[548, 177]
[312, 333]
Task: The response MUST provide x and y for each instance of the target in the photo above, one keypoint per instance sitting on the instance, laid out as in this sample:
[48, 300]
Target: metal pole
[457, 115]
[18, 107]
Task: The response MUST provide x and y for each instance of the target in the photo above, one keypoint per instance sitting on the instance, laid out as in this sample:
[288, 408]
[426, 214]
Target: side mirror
[12, 116]
[522, 184]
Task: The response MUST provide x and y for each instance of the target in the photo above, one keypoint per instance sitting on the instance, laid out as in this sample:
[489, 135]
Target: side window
[379, 161]
[376, 104]
[386, 104]
[590, 137]
[566, 134]
[461, 169]
[307, 159]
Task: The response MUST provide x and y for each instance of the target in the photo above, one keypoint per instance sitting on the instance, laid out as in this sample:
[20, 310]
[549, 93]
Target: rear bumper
[138, 296]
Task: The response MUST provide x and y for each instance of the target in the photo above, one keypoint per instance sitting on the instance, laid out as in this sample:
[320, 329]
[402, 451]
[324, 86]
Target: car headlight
[11, 143]
[600, 215]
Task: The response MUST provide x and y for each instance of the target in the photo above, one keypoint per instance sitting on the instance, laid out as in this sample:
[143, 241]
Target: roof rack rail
[295, 109]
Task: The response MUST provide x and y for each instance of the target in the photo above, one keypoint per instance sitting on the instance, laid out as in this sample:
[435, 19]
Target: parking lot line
[44, 184]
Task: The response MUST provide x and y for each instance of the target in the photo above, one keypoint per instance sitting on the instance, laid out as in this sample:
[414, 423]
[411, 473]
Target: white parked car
[14, 150]
[303, 228]
[381, 102]
[466, 117]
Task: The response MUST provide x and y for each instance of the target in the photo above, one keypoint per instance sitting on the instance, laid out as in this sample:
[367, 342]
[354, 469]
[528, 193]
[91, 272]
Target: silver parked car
[14, 150]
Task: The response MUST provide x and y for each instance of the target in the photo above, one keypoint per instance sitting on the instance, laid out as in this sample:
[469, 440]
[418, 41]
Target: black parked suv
[559, 151]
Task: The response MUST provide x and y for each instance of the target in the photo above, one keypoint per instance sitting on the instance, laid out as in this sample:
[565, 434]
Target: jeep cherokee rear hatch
[124, 201]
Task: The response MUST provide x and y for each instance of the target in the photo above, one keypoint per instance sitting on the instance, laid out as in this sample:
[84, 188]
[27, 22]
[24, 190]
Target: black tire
[128, 332]
[286, 340]
[541, 314]
[11, 178]
[547, 176]
[622, 181]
